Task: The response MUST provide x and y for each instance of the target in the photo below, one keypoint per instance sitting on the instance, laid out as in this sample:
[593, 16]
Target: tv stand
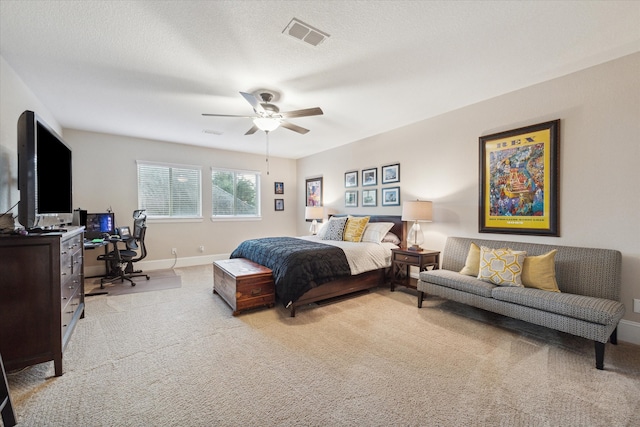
[41, 297]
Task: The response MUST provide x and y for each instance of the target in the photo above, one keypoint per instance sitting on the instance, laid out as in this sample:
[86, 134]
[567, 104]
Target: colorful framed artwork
[369, 177]
[279, 204]
[351, 179]
[391, 196]
[519, 172]
[351, 198]
[313, 191]
[278, 187]
[369, 197]
[390, 174]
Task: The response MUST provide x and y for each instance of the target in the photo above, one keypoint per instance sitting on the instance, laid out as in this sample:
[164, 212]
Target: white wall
[599, 110]
[104, 176]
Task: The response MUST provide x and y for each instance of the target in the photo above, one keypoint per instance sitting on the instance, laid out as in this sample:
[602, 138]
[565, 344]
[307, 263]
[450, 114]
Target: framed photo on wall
[351, 199]
[519, 181]
[391, 196]
[278, 187]
[390, 173]
[313, 191]
[369, 197]
[369, 177]
[279, 204]
[351, 179]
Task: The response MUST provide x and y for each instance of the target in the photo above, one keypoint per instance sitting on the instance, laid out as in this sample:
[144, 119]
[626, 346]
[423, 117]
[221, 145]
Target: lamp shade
[313, 212]
[417, 210]
[266, 124]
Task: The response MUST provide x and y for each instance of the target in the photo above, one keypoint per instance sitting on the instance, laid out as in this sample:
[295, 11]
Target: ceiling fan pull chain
[267, 152]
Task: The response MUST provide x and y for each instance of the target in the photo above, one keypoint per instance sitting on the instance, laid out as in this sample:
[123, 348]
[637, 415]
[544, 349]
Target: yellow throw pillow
[501, 266]
[540, 272]
[472, 264]
[355, 228]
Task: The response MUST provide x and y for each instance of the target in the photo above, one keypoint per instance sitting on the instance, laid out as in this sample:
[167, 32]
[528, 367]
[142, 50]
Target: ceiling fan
[268, 116]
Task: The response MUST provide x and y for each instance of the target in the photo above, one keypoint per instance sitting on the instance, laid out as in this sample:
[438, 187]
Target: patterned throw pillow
[335, 229]
[374, 232]
[501, 266]
[355, 228]
[540, 272]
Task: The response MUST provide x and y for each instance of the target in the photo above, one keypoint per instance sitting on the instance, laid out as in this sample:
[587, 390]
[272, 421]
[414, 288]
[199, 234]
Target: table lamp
[314, 213]
[416, 211]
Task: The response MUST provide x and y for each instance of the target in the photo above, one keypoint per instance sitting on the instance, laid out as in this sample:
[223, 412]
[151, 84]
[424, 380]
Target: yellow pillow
[501, 266]
[540, 272]
[472, 264]
[355, 228]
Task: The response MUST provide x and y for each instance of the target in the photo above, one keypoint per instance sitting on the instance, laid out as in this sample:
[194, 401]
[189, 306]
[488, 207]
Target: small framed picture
[314, 191]
[390, 173]
[391, 196]
[279, 187]
[351, 179]
[279, 204]
[351, 198]
[369, 177]
[369, 197]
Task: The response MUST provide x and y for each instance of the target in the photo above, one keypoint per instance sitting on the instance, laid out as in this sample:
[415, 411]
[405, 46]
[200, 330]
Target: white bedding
[362, 256]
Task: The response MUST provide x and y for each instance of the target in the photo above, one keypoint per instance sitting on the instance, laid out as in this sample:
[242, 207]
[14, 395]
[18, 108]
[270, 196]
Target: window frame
[197, 217]
[235, 216]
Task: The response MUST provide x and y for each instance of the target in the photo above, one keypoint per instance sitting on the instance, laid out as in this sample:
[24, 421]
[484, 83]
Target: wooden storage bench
[243, 284]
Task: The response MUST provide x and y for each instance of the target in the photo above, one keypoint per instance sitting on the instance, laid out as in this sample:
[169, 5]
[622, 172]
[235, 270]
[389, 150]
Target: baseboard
[161, 264]
[629, 331]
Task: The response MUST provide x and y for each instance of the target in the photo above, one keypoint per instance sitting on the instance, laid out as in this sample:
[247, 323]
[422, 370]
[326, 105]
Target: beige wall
[599, 110]
[104, 176]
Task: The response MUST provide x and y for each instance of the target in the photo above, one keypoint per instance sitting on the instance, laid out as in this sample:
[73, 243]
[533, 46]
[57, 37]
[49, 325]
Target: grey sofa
[589, 281]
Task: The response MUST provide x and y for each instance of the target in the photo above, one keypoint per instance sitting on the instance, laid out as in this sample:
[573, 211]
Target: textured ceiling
[150, 69]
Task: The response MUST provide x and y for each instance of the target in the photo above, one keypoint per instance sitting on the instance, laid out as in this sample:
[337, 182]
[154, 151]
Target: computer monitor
[99, 224]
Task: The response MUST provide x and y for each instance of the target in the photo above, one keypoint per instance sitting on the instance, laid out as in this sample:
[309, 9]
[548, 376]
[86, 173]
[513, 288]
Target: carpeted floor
[178, 358]
[158, 280]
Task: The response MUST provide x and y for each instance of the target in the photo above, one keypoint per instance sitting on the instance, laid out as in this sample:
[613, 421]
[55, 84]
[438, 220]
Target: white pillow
[374, 232]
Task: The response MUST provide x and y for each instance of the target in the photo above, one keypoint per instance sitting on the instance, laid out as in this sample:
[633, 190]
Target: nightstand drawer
[404, 257]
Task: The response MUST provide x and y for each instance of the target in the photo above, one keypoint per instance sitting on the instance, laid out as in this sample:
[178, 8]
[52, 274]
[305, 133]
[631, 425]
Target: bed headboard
[398, 225]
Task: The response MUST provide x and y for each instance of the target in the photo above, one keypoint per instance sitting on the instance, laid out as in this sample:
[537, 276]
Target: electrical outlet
[636, 305]
[201, 248]
[174, 251]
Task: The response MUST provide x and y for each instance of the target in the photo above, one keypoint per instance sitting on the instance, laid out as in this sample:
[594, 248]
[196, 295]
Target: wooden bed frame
[352, 284]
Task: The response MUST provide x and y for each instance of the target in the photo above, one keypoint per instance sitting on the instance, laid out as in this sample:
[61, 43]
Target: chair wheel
[133, 283]
[147, 277]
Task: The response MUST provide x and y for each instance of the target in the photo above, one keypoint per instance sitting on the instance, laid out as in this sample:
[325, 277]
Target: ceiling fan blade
[255, 102]
[317, 111]
[253, 130]
[293, 127]
[227, 115]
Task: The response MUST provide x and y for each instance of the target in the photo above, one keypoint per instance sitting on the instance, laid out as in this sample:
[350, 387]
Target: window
[169, 191]
[235, 193]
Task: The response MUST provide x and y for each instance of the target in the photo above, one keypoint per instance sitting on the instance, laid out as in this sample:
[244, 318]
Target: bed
[300, 274]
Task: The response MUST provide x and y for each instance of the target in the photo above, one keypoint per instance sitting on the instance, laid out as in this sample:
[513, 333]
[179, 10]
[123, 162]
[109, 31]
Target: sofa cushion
[501, 266]
[472, 263]
[597, 310]
[455, 280]
[540, 272]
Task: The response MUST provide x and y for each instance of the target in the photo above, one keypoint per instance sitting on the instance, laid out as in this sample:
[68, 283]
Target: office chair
[136, 249]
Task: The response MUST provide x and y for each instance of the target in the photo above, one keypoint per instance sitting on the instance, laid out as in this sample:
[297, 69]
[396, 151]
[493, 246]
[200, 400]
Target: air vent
[305, 32]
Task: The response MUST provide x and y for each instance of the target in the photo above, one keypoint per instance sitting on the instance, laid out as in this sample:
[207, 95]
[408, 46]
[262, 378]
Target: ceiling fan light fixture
[266, 124]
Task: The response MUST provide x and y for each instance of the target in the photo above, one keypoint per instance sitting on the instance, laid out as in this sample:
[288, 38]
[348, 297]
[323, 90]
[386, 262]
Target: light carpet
[179, 358]
[158, 280]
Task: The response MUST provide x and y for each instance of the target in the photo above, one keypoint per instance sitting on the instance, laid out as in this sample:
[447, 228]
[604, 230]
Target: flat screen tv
[44, 171]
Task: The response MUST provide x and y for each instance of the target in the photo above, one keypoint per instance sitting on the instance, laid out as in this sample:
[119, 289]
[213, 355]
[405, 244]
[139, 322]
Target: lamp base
[415, 248]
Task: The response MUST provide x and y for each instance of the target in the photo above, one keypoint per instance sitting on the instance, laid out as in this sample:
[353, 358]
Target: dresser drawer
[69, 288]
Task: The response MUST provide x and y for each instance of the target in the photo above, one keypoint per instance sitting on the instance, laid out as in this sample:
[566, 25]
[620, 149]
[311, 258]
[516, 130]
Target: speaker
[80, 217]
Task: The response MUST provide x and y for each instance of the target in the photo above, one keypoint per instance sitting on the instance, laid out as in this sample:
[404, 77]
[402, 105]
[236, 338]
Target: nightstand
[403, 259]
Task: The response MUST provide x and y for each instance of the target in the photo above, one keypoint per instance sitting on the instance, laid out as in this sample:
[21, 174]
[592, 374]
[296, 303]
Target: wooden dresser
[41, 296]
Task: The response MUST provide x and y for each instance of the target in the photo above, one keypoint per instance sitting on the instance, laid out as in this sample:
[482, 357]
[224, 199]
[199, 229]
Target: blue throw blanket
[298, 265]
